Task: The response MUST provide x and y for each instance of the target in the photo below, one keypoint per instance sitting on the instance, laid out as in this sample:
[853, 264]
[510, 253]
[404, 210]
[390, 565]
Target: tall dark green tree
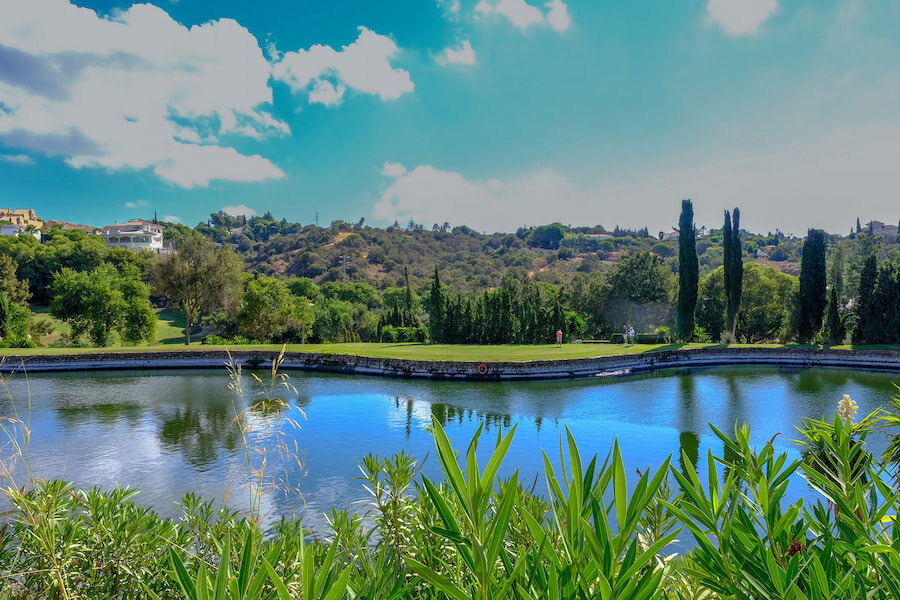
[862, 307]
[834, 326]
[812, 297]
[883, 323]
[436, 310]
[688, 272]
[734, 269]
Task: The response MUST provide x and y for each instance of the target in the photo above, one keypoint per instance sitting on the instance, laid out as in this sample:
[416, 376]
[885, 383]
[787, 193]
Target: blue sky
[492, 113]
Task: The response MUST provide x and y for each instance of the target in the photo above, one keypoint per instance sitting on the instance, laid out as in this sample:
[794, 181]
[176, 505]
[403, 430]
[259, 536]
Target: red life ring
[482, 369]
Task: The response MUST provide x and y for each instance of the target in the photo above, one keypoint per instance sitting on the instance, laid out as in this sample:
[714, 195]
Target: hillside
[467, 259]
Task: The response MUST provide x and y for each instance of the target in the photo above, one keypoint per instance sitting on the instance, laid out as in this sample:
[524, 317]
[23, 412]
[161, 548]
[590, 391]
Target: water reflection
[171, 432]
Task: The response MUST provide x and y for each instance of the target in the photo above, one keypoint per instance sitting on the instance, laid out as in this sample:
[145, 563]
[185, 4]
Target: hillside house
[23, 217]
[136, 234]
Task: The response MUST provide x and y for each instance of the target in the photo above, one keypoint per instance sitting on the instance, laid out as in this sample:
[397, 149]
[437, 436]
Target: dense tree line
[632, 280]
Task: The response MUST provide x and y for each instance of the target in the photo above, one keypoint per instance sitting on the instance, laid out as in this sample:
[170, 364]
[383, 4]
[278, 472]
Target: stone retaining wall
[457, 370]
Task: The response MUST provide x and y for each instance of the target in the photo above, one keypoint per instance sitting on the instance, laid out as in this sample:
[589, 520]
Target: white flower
[847, 408]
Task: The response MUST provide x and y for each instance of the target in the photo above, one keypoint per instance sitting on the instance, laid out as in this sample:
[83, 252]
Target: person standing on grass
[625, 334]
[559, 338]
[631, 335]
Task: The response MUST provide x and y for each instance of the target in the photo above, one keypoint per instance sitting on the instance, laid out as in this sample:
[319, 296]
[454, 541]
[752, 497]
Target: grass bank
[437, 352]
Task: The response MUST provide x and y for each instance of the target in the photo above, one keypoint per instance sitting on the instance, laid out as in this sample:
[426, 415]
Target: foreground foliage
[479, 536]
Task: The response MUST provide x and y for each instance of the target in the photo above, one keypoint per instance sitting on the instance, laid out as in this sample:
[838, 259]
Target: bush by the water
[474, 535]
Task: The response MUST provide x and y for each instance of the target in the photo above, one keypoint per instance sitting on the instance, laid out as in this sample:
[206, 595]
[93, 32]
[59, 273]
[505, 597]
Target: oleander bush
[474, 535]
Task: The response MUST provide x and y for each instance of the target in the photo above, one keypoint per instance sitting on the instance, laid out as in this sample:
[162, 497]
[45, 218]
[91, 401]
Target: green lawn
[169, 328]
[423, 351]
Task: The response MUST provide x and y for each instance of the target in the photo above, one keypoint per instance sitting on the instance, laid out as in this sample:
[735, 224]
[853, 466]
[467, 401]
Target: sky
[495, 114]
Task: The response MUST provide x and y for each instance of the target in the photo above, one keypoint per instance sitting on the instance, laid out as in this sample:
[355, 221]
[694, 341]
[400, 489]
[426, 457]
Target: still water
[168, 433]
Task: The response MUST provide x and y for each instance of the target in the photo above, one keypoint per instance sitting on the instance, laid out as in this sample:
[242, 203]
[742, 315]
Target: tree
[883, 322]
[200, 278]
[436, 309]
[101, 302]
[836, 270]
[862, 307]
[858, 228]
[734, 268]
[812, 297]
[547, 236]
[767, 299]
[711, 304]
[637, 292]
[688, 272]
[267, 306]
[11, 287]
[834, 325]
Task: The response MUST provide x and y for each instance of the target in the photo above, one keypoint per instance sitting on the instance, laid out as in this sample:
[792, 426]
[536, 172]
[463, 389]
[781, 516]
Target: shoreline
[353, 364]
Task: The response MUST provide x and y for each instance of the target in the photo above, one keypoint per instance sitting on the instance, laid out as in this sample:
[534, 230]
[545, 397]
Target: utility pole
[344, 266]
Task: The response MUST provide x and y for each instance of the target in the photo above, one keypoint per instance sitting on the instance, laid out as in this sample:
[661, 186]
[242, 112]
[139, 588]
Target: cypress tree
[834, 327]
[858, 228]
[812, 296]
[734, 269]
[688, 271]
[436, 310]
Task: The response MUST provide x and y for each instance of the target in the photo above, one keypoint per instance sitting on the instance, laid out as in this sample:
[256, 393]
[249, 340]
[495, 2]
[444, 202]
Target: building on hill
[19, 230]
[23, 217]
[136, 234]
[66, 226]
[879, 228]
[672, 235]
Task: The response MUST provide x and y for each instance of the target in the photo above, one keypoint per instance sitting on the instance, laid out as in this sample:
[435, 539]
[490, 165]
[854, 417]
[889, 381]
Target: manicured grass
[169, 328]
[509, 353]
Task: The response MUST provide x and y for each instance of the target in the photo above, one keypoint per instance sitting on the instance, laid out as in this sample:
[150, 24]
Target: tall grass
[475, 536]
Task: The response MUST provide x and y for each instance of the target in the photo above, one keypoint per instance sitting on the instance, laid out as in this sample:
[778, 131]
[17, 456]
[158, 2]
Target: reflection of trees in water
[688, 446]
[199, 435]
[105, 413]
[447, 413]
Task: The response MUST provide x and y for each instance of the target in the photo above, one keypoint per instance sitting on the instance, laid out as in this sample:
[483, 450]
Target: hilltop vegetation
[290, 283]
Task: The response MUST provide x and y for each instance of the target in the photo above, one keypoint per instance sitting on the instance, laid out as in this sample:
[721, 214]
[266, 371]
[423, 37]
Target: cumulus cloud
[135, 204]
[172, 219]
[134, 90]
[363, 66]
[393, 169]
[462, 54]
[241, 210]
[740, 17]
[524, 15]
[429, 195]
[18, 159]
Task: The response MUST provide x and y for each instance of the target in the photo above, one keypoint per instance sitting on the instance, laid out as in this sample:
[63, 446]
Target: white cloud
[18, 159]
[239, 210]
[741, 17]
[558, 16]
[393, 169]
[523, 15]
[136, 204]
[134, 90]
[363, 66]
[463, 54]
[172, 219]
[822, 180]
[429, 195]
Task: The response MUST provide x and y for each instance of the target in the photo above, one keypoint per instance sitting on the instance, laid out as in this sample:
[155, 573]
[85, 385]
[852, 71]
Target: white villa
[136, 234]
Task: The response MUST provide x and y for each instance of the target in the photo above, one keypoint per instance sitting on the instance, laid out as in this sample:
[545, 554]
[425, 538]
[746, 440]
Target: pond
[168, 433]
